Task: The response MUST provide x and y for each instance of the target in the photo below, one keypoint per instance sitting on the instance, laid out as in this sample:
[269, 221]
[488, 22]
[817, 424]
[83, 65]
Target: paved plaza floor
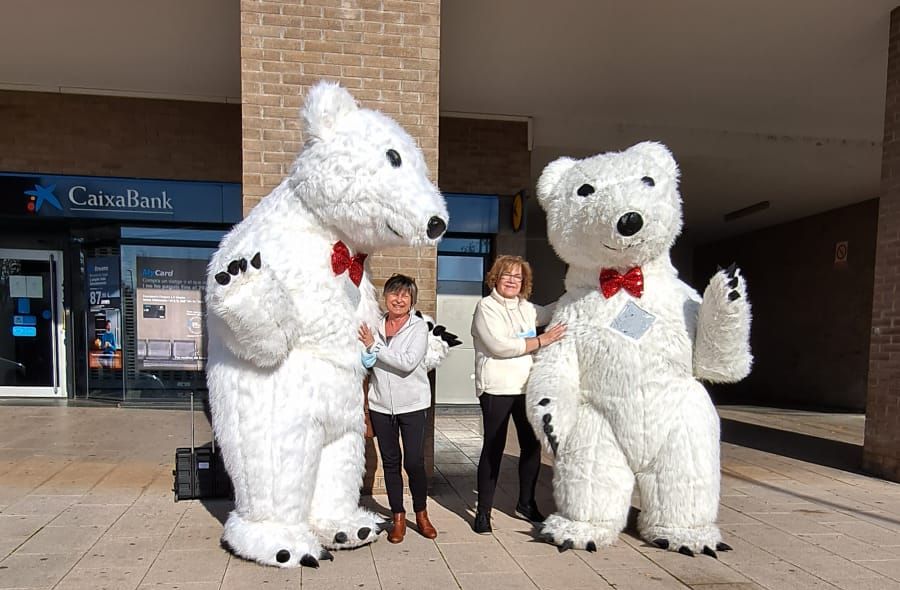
[86, 503]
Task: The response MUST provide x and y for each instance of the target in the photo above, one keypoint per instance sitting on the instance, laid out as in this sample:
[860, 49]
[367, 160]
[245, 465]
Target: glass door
[462, 263]
[32, 330]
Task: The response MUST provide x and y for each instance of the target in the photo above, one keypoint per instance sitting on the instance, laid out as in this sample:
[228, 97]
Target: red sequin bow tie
[632, 281]
[342, 261]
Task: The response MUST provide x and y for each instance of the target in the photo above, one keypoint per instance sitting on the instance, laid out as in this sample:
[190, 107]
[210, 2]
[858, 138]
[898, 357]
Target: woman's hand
[552, 334]
[366, 336]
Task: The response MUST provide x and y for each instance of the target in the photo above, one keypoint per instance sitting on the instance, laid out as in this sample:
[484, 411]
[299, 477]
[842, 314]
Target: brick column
[386, 52]
[881, 453]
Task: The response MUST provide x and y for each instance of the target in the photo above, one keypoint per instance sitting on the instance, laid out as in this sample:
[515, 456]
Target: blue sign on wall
[24, 320]
[102, 281]
[24, 331]
[38, 195]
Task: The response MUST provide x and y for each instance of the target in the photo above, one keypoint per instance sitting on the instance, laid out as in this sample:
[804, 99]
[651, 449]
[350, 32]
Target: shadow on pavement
[805, 447]
[218, 508]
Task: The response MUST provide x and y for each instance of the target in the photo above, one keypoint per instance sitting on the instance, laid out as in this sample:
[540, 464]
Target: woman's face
[398, 303]
[509, 283]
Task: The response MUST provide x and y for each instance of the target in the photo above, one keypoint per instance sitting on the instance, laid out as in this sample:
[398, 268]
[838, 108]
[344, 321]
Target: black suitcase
[199, 471]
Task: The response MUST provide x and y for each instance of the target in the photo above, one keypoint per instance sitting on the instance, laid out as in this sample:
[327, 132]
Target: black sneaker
[530, 512]
[482, 524]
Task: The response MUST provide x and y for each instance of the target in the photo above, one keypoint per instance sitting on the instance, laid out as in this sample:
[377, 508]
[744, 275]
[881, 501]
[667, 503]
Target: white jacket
[400, 382]
[499, 329]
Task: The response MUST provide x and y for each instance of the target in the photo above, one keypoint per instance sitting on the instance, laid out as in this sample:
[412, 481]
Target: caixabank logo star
[41, 195]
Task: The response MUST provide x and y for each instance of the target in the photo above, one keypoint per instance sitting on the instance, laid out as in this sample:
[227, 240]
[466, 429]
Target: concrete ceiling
[759, 101]
[180, 49]
[768, 100]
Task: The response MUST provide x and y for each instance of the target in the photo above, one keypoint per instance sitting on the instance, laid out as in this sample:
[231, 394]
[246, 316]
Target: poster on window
[104, 322]
[170, 313]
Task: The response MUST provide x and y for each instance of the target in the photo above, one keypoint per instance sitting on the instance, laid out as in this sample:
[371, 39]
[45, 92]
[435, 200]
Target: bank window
[465, 245]
[461, 264]
[163, 300]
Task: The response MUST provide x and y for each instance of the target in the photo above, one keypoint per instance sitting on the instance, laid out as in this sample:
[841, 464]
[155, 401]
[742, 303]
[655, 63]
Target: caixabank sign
[25, 195]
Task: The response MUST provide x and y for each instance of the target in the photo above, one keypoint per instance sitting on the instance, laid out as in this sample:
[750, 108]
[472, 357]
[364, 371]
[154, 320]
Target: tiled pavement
[86, 503]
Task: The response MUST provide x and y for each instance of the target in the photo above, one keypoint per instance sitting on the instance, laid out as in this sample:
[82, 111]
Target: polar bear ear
[660, 155]
[550, 177]
[326, 104]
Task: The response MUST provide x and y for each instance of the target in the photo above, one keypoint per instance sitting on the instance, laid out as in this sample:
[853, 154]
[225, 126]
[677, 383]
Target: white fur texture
[618, 411]
[284, 372]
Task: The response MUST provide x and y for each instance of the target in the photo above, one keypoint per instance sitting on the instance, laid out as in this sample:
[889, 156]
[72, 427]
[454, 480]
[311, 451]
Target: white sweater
[499, 329]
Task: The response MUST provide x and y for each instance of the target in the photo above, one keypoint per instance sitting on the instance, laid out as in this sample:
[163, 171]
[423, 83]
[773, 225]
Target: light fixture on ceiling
[748, 210]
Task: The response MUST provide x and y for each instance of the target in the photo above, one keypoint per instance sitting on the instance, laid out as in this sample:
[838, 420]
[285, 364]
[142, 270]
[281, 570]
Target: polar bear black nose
[630, 223]
[436, 227]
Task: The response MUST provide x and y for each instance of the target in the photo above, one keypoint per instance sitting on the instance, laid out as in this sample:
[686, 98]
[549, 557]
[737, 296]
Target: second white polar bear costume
[619, 398]
[286, 293]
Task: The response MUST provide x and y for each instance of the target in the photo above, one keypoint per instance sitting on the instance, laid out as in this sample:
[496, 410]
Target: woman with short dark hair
[399, 400]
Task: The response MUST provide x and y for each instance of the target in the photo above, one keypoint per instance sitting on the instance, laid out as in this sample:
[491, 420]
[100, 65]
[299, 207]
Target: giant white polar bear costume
[286, 293]
[618, 398]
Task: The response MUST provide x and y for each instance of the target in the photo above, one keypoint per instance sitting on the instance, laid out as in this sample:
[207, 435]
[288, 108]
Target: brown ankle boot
[424, 525]
[399, 531]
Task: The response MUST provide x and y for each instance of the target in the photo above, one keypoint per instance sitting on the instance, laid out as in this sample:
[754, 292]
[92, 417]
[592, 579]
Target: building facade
[112, 204]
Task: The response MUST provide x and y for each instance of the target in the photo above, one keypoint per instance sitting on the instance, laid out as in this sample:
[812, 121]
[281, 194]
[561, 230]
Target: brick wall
[385, 52]
[882, 441]
[490, 157]
[484, 156]
[113, 136]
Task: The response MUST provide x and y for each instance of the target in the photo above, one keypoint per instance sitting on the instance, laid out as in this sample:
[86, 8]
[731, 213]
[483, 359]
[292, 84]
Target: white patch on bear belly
[633, 321]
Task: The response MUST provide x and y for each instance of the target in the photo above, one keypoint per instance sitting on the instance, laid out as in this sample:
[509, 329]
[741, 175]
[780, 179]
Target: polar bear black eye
[394, 158]
[585, 190]
[648, 181]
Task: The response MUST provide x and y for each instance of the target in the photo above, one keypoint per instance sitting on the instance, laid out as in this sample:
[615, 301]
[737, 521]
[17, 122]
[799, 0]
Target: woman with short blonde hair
[503, 264]
[504, 332]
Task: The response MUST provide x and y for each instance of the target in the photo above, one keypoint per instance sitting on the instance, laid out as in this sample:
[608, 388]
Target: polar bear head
[361, 174]
[617, 209]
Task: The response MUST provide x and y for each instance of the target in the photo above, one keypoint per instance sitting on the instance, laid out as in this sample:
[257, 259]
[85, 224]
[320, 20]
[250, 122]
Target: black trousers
[495, 411]
[389, 430]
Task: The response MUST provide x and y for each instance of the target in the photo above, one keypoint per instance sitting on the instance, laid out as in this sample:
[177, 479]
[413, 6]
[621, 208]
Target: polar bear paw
[722, 346]
[236, 267]
[574, 534]
[360, 528]
[271, 543]
[725, 299]
[261, 333]
[687, 541]
[440, 341]
[543, 412]
[729, 282]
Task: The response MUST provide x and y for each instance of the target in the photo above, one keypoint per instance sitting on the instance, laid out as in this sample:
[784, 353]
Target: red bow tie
[341, 261]
[632, 281]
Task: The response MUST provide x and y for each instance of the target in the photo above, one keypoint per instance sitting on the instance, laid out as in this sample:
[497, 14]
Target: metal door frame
[58, 389]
